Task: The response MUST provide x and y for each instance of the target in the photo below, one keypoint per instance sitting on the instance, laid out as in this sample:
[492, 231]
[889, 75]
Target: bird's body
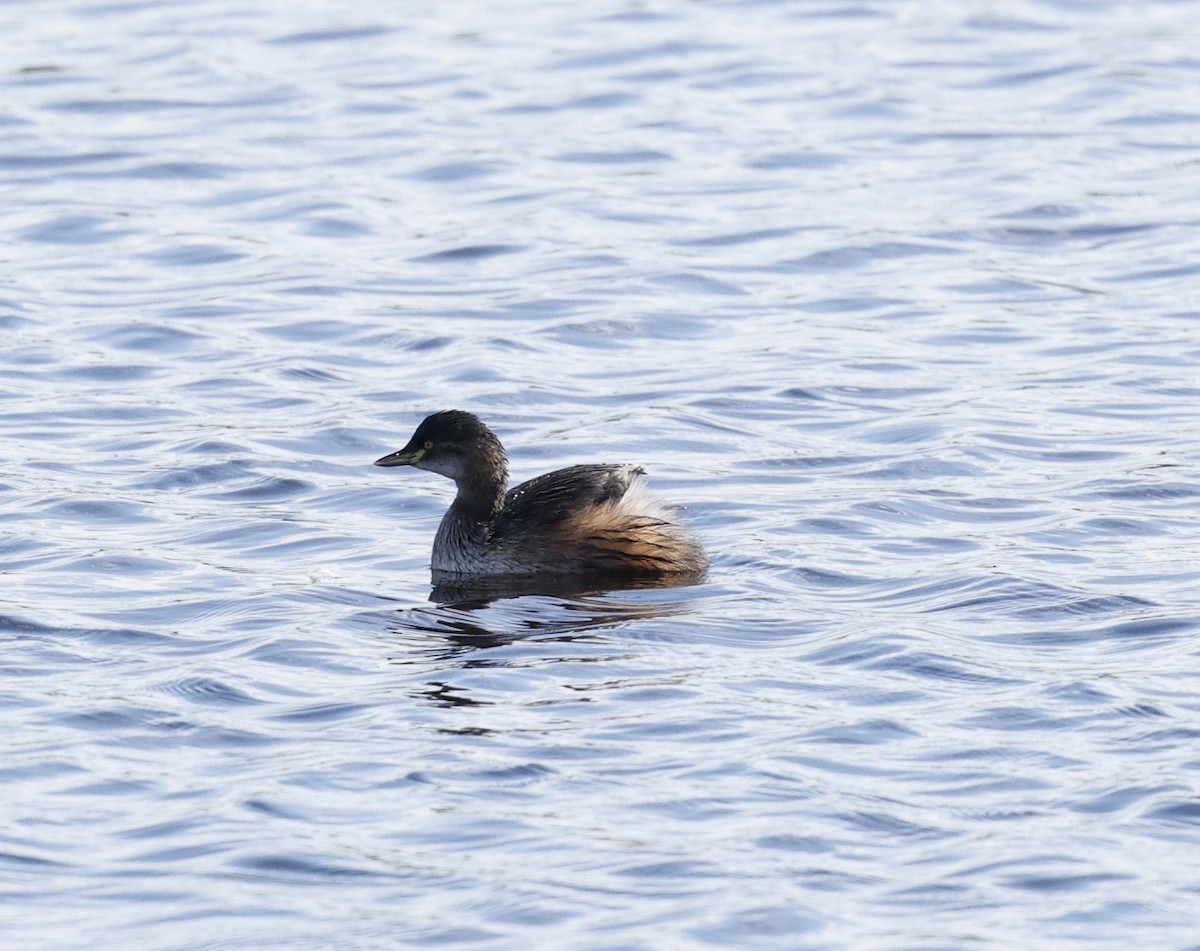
[594, 520]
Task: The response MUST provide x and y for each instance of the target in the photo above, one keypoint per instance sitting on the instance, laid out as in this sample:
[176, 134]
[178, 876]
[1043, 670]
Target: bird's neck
[461, 543]
[480, 495]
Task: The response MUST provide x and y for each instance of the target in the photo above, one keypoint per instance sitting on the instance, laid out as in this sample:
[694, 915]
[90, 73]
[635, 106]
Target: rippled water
[899, 300]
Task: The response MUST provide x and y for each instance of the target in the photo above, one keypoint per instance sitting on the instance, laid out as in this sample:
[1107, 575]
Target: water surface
[898, 301]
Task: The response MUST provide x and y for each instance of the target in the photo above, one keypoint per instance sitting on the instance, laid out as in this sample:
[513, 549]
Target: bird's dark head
[453, 444]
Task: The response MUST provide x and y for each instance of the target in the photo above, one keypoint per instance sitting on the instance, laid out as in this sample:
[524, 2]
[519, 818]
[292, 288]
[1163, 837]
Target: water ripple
[897, 307]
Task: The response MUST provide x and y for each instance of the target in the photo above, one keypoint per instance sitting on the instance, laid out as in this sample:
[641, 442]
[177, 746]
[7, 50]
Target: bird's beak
[402, 457]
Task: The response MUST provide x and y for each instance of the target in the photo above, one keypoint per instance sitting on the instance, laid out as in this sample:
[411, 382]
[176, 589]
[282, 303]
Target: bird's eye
[428, 444]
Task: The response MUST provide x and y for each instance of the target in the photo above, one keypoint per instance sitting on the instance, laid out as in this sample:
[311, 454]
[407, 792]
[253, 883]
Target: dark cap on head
[452, 425]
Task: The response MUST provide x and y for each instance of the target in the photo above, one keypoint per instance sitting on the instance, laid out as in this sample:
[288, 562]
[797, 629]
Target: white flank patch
[638, 502]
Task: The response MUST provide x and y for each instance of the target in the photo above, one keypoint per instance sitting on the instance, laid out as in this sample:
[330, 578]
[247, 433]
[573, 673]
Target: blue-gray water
[898, 300]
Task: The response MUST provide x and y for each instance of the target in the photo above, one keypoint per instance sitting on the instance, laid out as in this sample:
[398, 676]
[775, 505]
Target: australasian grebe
[582, 520]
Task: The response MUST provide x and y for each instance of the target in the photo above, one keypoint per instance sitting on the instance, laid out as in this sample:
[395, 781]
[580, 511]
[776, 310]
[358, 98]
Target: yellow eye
[428, 444]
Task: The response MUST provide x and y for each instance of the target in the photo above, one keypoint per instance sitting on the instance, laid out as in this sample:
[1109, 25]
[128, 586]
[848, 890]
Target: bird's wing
[539, 504]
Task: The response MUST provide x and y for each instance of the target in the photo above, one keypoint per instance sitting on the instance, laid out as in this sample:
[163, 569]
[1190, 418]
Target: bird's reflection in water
[475, 614]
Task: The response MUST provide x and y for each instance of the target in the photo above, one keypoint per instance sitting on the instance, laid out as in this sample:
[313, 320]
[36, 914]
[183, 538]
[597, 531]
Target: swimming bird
[585, 520]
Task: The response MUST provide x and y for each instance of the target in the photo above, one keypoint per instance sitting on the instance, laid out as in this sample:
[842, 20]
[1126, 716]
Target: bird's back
[593, 519]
